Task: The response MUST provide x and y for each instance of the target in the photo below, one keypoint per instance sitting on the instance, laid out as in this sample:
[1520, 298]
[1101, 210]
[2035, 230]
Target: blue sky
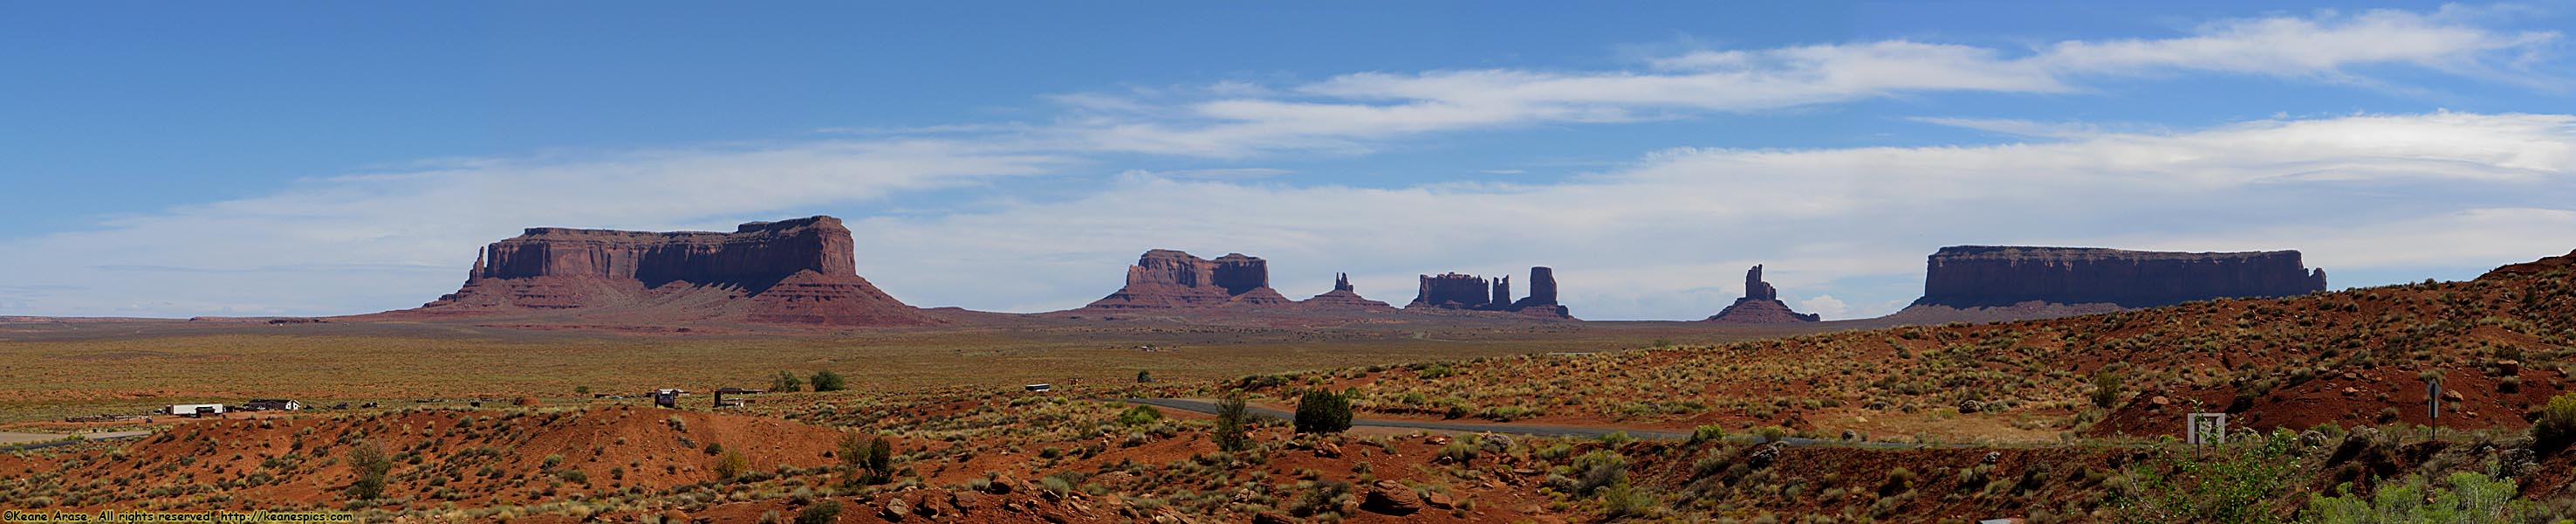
[329, 158]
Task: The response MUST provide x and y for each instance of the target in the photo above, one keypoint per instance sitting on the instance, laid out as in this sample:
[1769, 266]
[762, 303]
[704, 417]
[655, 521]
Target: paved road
[1543, 430]
[23, 441]
[1203, 406]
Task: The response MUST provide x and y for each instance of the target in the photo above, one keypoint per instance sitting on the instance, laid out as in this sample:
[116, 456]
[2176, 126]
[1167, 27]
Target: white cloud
[1350, 113]
[352, 243]
[1824, 305]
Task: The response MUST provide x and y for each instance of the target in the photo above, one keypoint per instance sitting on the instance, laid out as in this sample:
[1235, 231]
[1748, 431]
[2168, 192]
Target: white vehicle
[196, 410]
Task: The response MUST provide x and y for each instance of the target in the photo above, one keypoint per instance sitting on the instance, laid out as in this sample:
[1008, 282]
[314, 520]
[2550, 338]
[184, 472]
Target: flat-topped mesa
[1343, 296]
[797, 271]
[1452, 291]
[1166, 279]
[1761, 305]
[755, 255]
[1998, 276]
[1470, 292]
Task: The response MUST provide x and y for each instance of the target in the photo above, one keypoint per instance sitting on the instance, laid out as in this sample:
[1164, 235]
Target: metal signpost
[2205, 428]
[2433, 405]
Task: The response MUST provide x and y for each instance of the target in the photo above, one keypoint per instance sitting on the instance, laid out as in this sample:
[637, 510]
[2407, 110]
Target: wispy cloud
[1352, 113]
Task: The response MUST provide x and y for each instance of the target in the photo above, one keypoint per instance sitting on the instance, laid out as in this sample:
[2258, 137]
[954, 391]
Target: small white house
[196, 410]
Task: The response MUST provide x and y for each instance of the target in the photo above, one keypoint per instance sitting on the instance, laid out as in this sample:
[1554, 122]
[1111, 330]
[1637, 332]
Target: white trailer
[196, 410]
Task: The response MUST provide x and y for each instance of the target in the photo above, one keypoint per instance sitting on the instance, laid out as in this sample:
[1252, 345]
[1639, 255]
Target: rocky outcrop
[1167, 279]
[2536, 267]
[1542, 289]
[794, 271]
[1344, 296]
[1761, 305]
[1470, 292]
[1996, 276]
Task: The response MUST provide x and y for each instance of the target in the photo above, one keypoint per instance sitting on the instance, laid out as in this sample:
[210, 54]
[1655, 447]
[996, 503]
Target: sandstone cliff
[1167, 279]
[1761, 305]
[795, 272]
[1995, 276]
[1470, 292]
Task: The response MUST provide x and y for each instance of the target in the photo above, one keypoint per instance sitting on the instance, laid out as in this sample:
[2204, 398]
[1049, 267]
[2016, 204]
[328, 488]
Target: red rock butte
[1761, 305]
[1475, 293]
[787, 272]
[1167, 279]
[1994, 276]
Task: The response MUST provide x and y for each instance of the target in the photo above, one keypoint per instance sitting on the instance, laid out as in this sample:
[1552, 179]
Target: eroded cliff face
[1166, 279]
[1475, 293]
[1999, 276]
[1761, 305]
[793, 272]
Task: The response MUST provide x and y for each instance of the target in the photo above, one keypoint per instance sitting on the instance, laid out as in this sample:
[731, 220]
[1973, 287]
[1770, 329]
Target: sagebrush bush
[1139, 415]
[2557, 425]
[1708, 433]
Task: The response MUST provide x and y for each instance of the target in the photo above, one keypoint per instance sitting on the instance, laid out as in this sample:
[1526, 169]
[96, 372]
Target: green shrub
[1144, 377]
[1599, 469]
[786, 381]
[824, 513]
[1139, 415]
[826, 380]
[1708, 433]
[2557, 425]
[2106, 389]
[731, 465]
[1622, 501]
[2472, 497]
[865, 461]
[1231, 415]
[370, 462]
[1323, 411]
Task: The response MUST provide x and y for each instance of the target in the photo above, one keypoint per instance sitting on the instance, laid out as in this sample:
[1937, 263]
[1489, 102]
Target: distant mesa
[1761, 305]
[1344, 296]
[797, 271]
[1167, 279]
[1474, 293]
[2058, 281]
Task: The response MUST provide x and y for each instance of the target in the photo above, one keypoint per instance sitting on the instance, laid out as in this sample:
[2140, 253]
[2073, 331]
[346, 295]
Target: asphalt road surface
[1203, 406]
[13, 441]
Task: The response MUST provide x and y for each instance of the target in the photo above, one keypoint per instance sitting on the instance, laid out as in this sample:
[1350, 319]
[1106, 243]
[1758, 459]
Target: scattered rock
[895, 509]
[1391, 498]
[1763, 456]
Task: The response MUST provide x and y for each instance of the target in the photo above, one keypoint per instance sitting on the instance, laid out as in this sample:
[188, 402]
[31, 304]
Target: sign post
[2433, 404]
